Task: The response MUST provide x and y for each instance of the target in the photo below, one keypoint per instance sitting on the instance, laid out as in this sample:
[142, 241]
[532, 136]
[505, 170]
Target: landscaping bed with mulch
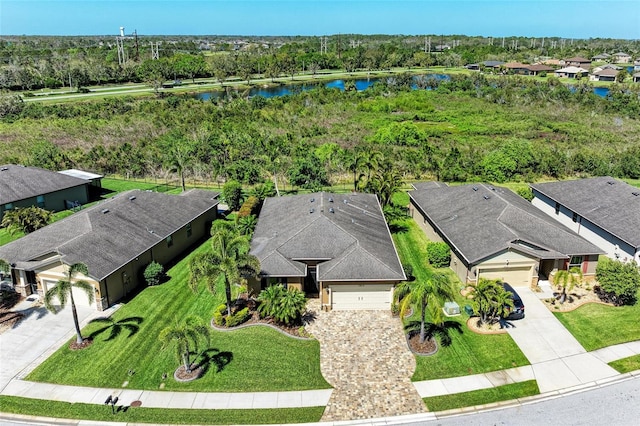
[497, 327]
[428, 347]
[8, 317]
[577, 297]
[296, 330]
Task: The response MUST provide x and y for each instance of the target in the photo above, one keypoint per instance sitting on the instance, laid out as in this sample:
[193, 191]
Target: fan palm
[567, 280]
[490, 300]
[429, 293]
[63, 292]
[228, 263]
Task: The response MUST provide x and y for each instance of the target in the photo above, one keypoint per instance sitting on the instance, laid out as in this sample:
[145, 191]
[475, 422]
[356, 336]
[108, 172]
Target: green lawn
[251, 359]
[482, 396]
[469, 353]
[625, 365]
[596, 326]
[65, 410]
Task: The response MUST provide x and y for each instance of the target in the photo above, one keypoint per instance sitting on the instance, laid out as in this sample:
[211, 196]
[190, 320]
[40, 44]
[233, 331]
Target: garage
[351, 297]
[516, 276]
[79, 296]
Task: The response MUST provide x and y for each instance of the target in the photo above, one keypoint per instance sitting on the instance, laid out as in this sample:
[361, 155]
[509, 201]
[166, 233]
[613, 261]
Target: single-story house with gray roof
[116, 239]
[334, 246]
[603, 210]
[494, 233]
[22, 186]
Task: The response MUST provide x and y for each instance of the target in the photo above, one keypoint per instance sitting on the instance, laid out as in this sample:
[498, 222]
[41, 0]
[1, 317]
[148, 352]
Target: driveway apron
[558, 360]
[364, 356]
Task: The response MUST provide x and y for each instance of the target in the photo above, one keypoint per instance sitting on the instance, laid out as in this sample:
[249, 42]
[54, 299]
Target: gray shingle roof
[352, 242]
[481, 220]
[418, 186]
[612, 207]
[20, 182]
[111, 233]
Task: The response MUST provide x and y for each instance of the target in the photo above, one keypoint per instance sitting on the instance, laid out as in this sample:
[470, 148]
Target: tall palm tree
[429, 292]
[63, 292]
[185, 336]
[490, 300]
[567, 280]
[228, 263]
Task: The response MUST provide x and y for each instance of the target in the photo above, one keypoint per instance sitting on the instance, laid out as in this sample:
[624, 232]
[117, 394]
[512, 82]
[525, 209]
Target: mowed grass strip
[482, 396]
[65, 410]
[597, 326]
[248, 360]
[625, 365]
[469, 352]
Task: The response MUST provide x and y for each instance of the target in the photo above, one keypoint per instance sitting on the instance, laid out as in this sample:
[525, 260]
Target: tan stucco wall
[56, 272]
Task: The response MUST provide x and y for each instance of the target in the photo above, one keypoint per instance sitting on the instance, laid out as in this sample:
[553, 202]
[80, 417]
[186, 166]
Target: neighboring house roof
[20, 182]
[577, 59]
[427, 185]
[604, 201]
[540, 67]
[636, 75]
[607, 72]
[347, 233]
[81, 174]
[480, 221]
[492, 63]
[572, 70]
[515, 65]
[601, 56]
[622, 54]
[111, 233]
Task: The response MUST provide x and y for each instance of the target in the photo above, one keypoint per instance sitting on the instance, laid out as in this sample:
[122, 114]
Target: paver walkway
[558, 360]
[364, 356]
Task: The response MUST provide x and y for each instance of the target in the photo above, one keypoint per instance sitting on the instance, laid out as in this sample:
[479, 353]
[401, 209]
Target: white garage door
[79, 296]
[517, 277]
[361, 297]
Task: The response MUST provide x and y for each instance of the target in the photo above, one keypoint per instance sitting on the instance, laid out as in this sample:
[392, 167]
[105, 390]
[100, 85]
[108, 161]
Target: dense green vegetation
[247, 360]
[596, 326]
[465, 129]
[65, 410]
[468, 352]
[482, 396]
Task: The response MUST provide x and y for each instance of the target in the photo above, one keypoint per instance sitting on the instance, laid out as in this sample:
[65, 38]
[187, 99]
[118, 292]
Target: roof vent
[636, 193]
[330, 200]
[311, 210]
[346, 201]
[4, 169]
[133, 197]
[611, 182]
[353, 221]
[313, 199]
[486, 197]
[475, 188]
[492, 188]
[105, 211]
[331, 210]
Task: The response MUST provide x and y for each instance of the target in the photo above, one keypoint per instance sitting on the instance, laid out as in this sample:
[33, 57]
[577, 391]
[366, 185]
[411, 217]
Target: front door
[311, 282]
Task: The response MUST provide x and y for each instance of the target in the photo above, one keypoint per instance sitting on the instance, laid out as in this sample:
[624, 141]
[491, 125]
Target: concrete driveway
[364, 356]
[558, 360]
[35, 337]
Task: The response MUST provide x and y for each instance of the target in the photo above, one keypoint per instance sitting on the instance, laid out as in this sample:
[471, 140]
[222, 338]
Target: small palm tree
[63, 292]
[430, 293]
[490, 300]
[228, 263]
[566, 280]
[185, 337]
[283, 305]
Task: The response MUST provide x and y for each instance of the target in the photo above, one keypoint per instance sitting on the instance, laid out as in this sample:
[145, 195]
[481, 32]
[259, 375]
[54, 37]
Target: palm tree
[229, 262]
[63, 291]
[384, 183]
[185, 336]
[490, 300]
[282, 304]
[25, 219]
[567, 280]
[428, 293]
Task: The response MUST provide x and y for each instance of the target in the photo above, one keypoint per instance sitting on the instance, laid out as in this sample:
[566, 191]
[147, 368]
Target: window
[575, 262]
[40, 201]
[169, 241]
[8, 206]
[575, 217]
[189, 232]
[557, 208]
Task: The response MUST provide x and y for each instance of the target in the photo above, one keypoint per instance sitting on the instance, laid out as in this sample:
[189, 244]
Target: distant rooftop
[21, 182]
[81, 174]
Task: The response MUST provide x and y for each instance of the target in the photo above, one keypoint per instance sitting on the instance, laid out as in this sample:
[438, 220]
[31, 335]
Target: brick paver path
[364, 356]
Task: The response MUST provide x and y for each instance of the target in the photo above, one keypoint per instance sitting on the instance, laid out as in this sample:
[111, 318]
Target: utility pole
[135, 35]
[120, 46]
[503, 42]
[542, 47]
[154, 51]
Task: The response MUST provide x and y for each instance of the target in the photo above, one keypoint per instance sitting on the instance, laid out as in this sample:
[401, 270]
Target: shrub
[218, 315]
[238, 317]
[618, 281]
[283, 305]
[232, 194]
[249, 207]
[153, 273]
[438, 254]
[525, 193]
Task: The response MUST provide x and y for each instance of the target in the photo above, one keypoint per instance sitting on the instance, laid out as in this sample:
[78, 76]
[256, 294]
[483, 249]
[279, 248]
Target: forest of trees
[466, 128]
[30, 63]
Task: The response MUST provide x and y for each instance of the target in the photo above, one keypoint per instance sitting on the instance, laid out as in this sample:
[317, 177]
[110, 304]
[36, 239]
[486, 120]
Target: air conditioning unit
[451, 309]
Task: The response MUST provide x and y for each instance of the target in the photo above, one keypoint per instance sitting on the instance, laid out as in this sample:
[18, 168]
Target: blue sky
[563, 18]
